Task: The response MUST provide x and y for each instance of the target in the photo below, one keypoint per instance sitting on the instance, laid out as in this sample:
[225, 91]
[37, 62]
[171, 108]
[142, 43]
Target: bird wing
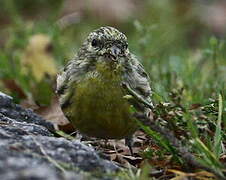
[71, 74]
[137, 79]
[62, 79]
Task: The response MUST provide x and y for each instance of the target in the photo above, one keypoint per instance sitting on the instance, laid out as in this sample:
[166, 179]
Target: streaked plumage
[90, 86]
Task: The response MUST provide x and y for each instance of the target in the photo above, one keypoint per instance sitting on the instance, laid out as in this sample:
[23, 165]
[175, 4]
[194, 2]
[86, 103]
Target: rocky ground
[29, 149]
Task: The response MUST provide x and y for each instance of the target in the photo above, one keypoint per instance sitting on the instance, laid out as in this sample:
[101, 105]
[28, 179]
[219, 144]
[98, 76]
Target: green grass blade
[209, 156]
[217, 136]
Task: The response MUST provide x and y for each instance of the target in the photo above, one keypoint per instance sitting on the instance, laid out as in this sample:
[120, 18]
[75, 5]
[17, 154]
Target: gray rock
[29, 150]
[16, 112]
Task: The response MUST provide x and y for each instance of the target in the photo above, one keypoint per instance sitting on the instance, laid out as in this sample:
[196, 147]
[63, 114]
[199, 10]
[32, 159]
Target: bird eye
[95, 43]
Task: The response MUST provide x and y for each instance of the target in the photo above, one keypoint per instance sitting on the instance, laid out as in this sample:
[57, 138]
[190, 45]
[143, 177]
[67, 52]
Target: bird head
[105, 44]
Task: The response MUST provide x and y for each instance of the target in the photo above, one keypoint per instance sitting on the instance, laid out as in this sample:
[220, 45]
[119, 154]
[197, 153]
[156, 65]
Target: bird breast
[98, 108]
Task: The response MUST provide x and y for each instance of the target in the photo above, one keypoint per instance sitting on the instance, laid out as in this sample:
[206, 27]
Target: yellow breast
[98, 108]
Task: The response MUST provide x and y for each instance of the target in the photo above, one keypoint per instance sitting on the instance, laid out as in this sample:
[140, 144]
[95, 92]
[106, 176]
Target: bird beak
[113, 53]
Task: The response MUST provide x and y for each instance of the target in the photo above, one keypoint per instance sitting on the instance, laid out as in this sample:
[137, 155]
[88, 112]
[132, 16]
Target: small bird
[91, 87]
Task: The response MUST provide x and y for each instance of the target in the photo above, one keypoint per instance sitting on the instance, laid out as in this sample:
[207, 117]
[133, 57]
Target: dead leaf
[13, 86]
[133, 160]
[201, 175]
[37, 58]
[195, 106]
[54, 114]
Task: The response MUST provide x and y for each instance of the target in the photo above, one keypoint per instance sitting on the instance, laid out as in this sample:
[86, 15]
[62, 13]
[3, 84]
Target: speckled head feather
[107, 33]
[105, 41]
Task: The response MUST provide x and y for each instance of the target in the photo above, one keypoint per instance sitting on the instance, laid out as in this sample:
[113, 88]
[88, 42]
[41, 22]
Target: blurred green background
[180, 43]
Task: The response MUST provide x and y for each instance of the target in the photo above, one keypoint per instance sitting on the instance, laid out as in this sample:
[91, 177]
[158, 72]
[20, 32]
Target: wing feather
[138, 80]
[71, 74]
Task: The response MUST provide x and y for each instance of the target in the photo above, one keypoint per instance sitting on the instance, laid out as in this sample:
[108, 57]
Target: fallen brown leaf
[54, 114]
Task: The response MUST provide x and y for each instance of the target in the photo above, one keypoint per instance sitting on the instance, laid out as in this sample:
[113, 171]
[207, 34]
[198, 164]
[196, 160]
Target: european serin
[91, 91]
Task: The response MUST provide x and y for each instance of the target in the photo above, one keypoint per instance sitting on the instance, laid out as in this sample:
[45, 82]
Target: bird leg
[129, 143]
